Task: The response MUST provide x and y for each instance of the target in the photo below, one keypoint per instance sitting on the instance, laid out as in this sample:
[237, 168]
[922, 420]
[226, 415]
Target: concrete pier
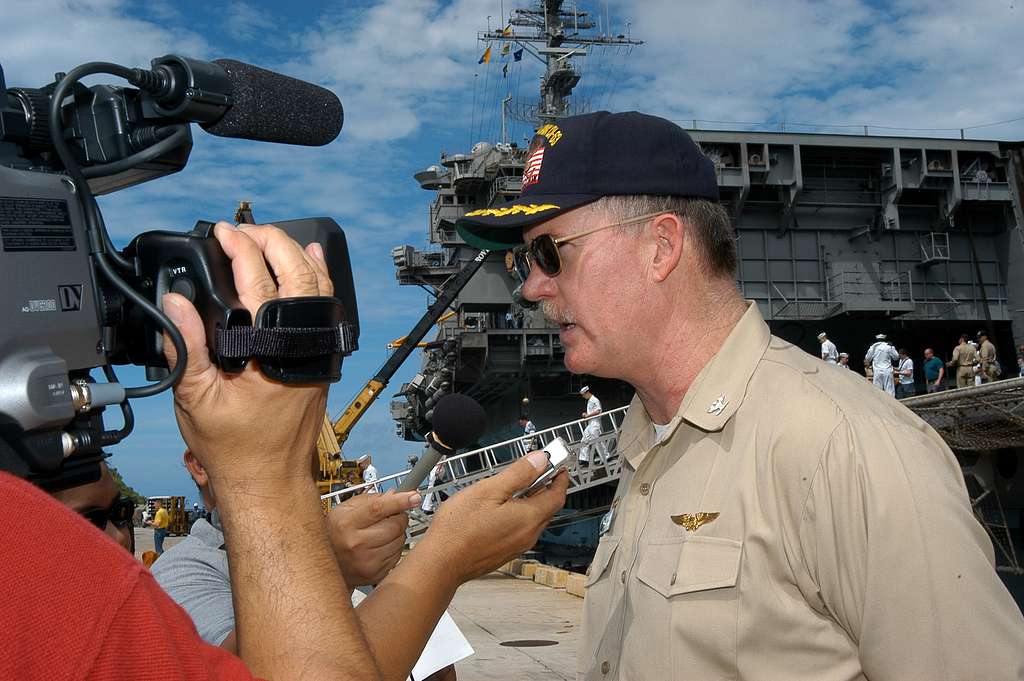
[498, 609]
[519, 629]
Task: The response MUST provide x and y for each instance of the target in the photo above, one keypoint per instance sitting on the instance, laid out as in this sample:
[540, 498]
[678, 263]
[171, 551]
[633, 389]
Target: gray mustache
[554, 314]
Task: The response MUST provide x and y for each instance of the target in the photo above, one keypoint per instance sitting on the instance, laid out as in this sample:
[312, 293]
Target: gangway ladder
[988, 509]
[464, 469]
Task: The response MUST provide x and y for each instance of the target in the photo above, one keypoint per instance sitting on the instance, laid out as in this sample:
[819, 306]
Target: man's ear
[669, 233]
[195, 469]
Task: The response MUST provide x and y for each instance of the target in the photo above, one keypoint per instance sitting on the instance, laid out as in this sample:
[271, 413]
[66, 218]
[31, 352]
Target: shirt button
[622, 577]
[606, 667]
[673, 580]
[645, 489]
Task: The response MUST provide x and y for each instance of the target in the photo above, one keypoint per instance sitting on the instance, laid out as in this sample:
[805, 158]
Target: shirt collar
[210, 533]
[716, 393]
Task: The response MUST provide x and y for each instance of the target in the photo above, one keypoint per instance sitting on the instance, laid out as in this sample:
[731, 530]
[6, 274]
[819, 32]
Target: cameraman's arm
[253, 437]
[472, 533]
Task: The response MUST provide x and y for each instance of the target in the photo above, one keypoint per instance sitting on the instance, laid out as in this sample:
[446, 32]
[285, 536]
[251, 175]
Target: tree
[125, 489]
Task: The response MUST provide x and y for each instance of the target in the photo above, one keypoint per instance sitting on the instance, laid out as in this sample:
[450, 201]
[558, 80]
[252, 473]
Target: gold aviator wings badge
[694, 521]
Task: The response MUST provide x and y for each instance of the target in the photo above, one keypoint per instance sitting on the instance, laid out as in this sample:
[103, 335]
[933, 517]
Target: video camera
[71, 302]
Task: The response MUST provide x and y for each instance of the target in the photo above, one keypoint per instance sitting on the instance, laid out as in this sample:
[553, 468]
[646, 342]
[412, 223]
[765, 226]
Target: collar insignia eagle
[718, 405]
[694, 521]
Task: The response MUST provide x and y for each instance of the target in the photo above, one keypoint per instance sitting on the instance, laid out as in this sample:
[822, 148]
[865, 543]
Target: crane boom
[373, 388]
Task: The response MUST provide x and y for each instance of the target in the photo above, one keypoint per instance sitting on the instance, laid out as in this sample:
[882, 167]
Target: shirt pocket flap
[602, 559]
[679, 566]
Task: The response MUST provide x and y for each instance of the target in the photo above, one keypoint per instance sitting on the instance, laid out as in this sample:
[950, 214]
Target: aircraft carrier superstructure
[854, 235]
[495, 348]
[857, 235]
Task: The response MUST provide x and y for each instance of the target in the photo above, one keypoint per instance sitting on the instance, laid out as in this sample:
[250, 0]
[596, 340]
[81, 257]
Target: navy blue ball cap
[580, 159]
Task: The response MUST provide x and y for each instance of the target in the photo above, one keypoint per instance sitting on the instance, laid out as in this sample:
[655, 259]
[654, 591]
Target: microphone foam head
[271, 107]
[458, 420]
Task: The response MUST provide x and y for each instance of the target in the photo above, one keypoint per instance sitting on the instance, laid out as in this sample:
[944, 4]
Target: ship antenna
[552, 44]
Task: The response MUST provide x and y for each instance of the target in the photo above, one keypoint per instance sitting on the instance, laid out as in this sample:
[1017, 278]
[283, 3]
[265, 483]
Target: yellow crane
[330, 464]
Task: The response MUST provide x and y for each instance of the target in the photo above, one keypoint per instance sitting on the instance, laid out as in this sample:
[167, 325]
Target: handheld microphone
[458, 421]
[229, 98]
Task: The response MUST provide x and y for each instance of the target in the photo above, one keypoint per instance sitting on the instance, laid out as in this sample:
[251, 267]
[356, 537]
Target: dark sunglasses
[120, 513]
[543, 250]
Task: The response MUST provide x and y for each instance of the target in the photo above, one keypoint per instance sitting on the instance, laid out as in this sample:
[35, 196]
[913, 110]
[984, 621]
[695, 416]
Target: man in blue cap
[775, 520]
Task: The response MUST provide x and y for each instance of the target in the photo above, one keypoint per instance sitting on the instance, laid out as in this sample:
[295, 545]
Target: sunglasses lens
[545, 254]
[521, 262]
[97, 517]
[122, 511]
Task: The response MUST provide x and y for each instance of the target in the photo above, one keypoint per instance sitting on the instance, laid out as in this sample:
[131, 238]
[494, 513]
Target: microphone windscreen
[458, 420]
[271, 107]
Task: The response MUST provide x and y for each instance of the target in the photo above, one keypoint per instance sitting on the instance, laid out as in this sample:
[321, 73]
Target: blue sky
[407, 74]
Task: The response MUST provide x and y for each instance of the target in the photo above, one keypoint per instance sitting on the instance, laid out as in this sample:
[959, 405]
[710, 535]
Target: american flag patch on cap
[532, 173]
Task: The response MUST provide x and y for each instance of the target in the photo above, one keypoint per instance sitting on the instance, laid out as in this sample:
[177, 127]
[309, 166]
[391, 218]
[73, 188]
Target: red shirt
[74, 605]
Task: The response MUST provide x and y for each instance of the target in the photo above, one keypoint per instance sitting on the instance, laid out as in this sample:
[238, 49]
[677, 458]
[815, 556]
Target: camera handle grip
[294, 340]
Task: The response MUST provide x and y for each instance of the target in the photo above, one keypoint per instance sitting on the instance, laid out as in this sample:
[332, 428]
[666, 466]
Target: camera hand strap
[295, 340]
[244, 342]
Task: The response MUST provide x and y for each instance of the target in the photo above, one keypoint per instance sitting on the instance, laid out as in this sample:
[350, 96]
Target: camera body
[61, 314]
[51, 326]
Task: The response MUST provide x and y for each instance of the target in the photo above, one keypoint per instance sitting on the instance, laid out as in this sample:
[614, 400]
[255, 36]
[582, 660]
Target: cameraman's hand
[255, 437]
[482, 527]
[245, 427]
[368, 532]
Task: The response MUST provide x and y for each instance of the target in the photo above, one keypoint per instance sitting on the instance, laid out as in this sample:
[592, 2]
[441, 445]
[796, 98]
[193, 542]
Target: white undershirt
[659, 431]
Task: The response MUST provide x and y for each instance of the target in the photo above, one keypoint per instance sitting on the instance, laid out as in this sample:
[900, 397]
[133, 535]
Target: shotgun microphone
[230, 98]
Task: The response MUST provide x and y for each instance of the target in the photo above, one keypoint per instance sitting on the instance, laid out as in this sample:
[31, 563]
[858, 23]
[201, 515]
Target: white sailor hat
[843, 354]
[880, 336]
[584, 390]
[822, 335]
[363, 458]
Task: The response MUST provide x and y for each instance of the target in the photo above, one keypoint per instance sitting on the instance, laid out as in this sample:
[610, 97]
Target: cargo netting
[989, 416]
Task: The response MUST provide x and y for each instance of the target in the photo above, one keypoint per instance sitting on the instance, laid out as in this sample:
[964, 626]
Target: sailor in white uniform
[431, 500]
[529, 444]
[592, 432]
[369, 472]
[881, 355]
[829, 351]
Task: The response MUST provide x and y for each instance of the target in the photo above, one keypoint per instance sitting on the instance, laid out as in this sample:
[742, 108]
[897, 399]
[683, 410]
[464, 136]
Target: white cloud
[245, 21]
[46, 36]
[917, 64]
[396, 61]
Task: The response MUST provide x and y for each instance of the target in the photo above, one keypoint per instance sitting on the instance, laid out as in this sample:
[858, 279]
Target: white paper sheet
[445, 646]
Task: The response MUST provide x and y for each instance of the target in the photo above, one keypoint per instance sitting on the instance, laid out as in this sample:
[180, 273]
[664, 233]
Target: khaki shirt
[964, 356]
[793, 524]
[988, 353]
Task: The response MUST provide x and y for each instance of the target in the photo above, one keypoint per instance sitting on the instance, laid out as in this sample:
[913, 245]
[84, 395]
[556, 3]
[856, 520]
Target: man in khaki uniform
[964, 359]
[987, 353]
[776, 520]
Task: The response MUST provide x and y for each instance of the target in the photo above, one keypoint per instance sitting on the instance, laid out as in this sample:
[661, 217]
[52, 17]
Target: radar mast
[555, 37]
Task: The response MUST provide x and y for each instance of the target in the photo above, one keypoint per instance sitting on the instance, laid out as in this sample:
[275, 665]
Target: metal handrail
[460, 475]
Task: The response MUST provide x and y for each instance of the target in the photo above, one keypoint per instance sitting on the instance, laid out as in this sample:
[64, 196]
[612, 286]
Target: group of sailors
[972, 363]
[975, 364]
